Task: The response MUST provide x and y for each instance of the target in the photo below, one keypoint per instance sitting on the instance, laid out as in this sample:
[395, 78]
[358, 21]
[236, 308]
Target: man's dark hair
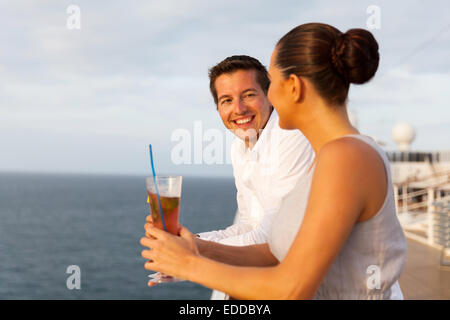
[235, 63]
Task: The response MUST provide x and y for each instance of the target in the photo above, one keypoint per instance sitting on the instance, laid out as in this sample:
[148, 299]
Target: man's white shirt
[264, 175]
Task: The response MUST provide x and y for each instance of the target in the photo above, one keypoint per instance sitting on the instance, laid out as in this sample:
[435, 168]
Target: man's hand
[202, 245]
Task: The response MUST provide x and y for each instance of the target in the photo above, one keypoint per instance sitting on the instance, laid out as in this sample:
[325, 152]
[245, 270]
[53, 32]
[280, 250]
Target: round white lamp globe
[403, 134]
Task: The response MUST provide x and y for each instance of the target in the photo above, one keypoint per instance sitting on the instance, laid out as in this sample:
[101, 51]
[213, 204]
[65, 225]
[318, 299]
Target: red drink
[171, 210]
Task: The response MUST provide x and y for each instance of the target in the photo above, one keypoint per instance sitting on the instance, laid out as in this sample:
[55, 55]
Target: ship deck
[422, 278]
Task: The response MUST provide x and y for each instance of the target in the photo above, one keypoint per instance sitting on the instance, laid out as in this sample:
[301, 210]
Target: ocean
[50, 222]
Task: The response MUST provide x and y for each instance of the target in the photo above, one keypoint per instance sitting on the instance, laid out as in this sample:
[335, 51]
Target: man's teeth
[242, 121]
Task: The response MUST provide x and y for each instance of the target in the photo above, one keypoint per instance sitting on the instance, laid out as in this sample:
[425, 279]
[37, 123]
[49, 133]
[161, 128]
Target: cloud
[137, 71]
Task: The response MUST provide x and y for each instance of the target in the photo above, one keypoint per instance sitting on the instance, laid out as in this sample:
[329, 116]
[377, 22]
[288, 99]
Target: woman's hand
[172, 255]
[148, 223]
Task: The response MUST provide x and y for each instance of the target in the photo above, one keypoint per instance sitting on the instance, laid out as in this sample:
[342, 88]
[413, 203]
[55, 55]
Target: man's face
[242, 104]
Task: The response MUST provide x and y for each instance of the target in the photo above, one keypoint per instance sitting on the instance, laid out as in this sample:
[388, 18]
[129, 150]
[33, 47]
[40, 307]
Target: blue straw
[156, 188]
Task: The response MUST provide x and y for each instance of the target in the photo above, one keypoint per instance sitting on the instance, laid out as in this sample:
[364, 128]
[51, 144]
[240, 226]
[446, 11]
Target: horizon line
[119, 174]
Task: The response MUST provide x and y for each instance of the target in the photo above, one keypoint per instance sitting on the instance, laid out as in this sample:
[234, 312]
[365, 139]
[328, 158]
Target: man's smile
[244, 122]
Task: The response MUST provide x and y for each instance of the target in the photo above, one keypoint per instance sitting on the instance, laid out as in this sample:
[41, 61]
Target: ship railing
[441, 230]
[408, 156]
[405, 202]
[418, 201]
[438, 177]
[429, 222]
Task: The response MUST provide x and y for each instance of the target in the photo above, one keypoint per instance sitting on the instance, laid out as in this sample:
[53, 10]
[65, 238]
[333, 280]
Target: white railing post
[396, 197]
[430, 201]
[405, 198]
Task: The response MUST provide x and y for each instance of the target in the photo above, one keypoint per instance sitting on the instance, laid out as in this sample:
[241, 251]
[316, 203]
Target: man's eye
[226, 101]
[250, 95]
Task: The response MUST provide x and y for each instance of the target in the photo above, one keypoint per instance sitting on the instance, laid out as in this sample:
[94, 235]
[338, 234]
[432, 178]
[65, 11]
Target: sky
[90, 100]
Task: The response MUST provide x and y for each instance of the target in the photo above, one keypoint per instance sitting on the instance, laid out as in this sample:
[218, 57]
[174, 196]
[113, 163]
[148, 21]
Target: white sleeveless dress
[371, 260]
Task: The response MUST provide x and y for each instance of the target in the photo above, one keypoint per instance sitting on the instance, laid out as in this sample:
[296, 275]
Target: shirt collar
[263, 137]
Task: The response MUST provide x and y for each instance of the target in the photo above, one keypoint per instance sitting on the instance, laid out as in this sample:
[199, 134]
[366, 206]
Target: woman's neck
[324, 124]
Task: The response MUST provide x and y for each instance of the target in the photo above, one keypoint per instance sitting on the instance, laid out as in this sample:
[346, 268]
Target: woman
[342, 242]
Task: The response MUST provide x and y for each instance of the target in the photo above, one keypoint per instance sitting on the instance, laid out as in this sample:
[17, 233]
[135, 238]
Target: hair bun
[337, 50]
[330, 59]
[357, 51]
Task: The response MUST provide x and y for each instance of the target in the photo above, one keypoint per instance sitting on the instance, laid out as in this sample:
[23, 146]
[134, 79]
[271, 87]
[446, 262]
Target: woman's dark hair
[330, 59]
[235, 63]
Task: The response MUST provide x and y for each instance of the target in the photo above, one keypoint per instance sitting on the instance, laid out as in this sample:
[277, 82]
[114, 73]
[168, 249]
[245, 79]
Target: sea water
[51, 222]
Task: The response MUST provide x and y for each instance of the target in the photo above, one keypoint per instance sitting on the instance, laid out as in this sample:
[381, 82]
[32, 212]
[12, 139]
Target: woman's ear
[296, 87]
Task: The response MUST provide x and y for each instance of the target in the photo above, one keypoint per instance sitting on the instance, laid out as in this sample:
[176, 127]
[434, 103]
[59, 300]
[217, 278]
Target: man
[267, 160]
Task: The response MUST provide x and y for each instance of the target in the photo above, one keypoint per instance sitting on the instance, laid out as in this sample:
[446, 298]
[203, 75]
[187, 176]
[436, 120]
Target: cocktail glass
[169, 190]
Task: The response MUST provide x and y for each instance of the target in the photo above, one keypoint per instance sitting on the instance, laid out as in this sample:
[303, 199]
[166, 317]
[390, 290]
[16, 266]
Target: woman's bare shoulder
[349, 155]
